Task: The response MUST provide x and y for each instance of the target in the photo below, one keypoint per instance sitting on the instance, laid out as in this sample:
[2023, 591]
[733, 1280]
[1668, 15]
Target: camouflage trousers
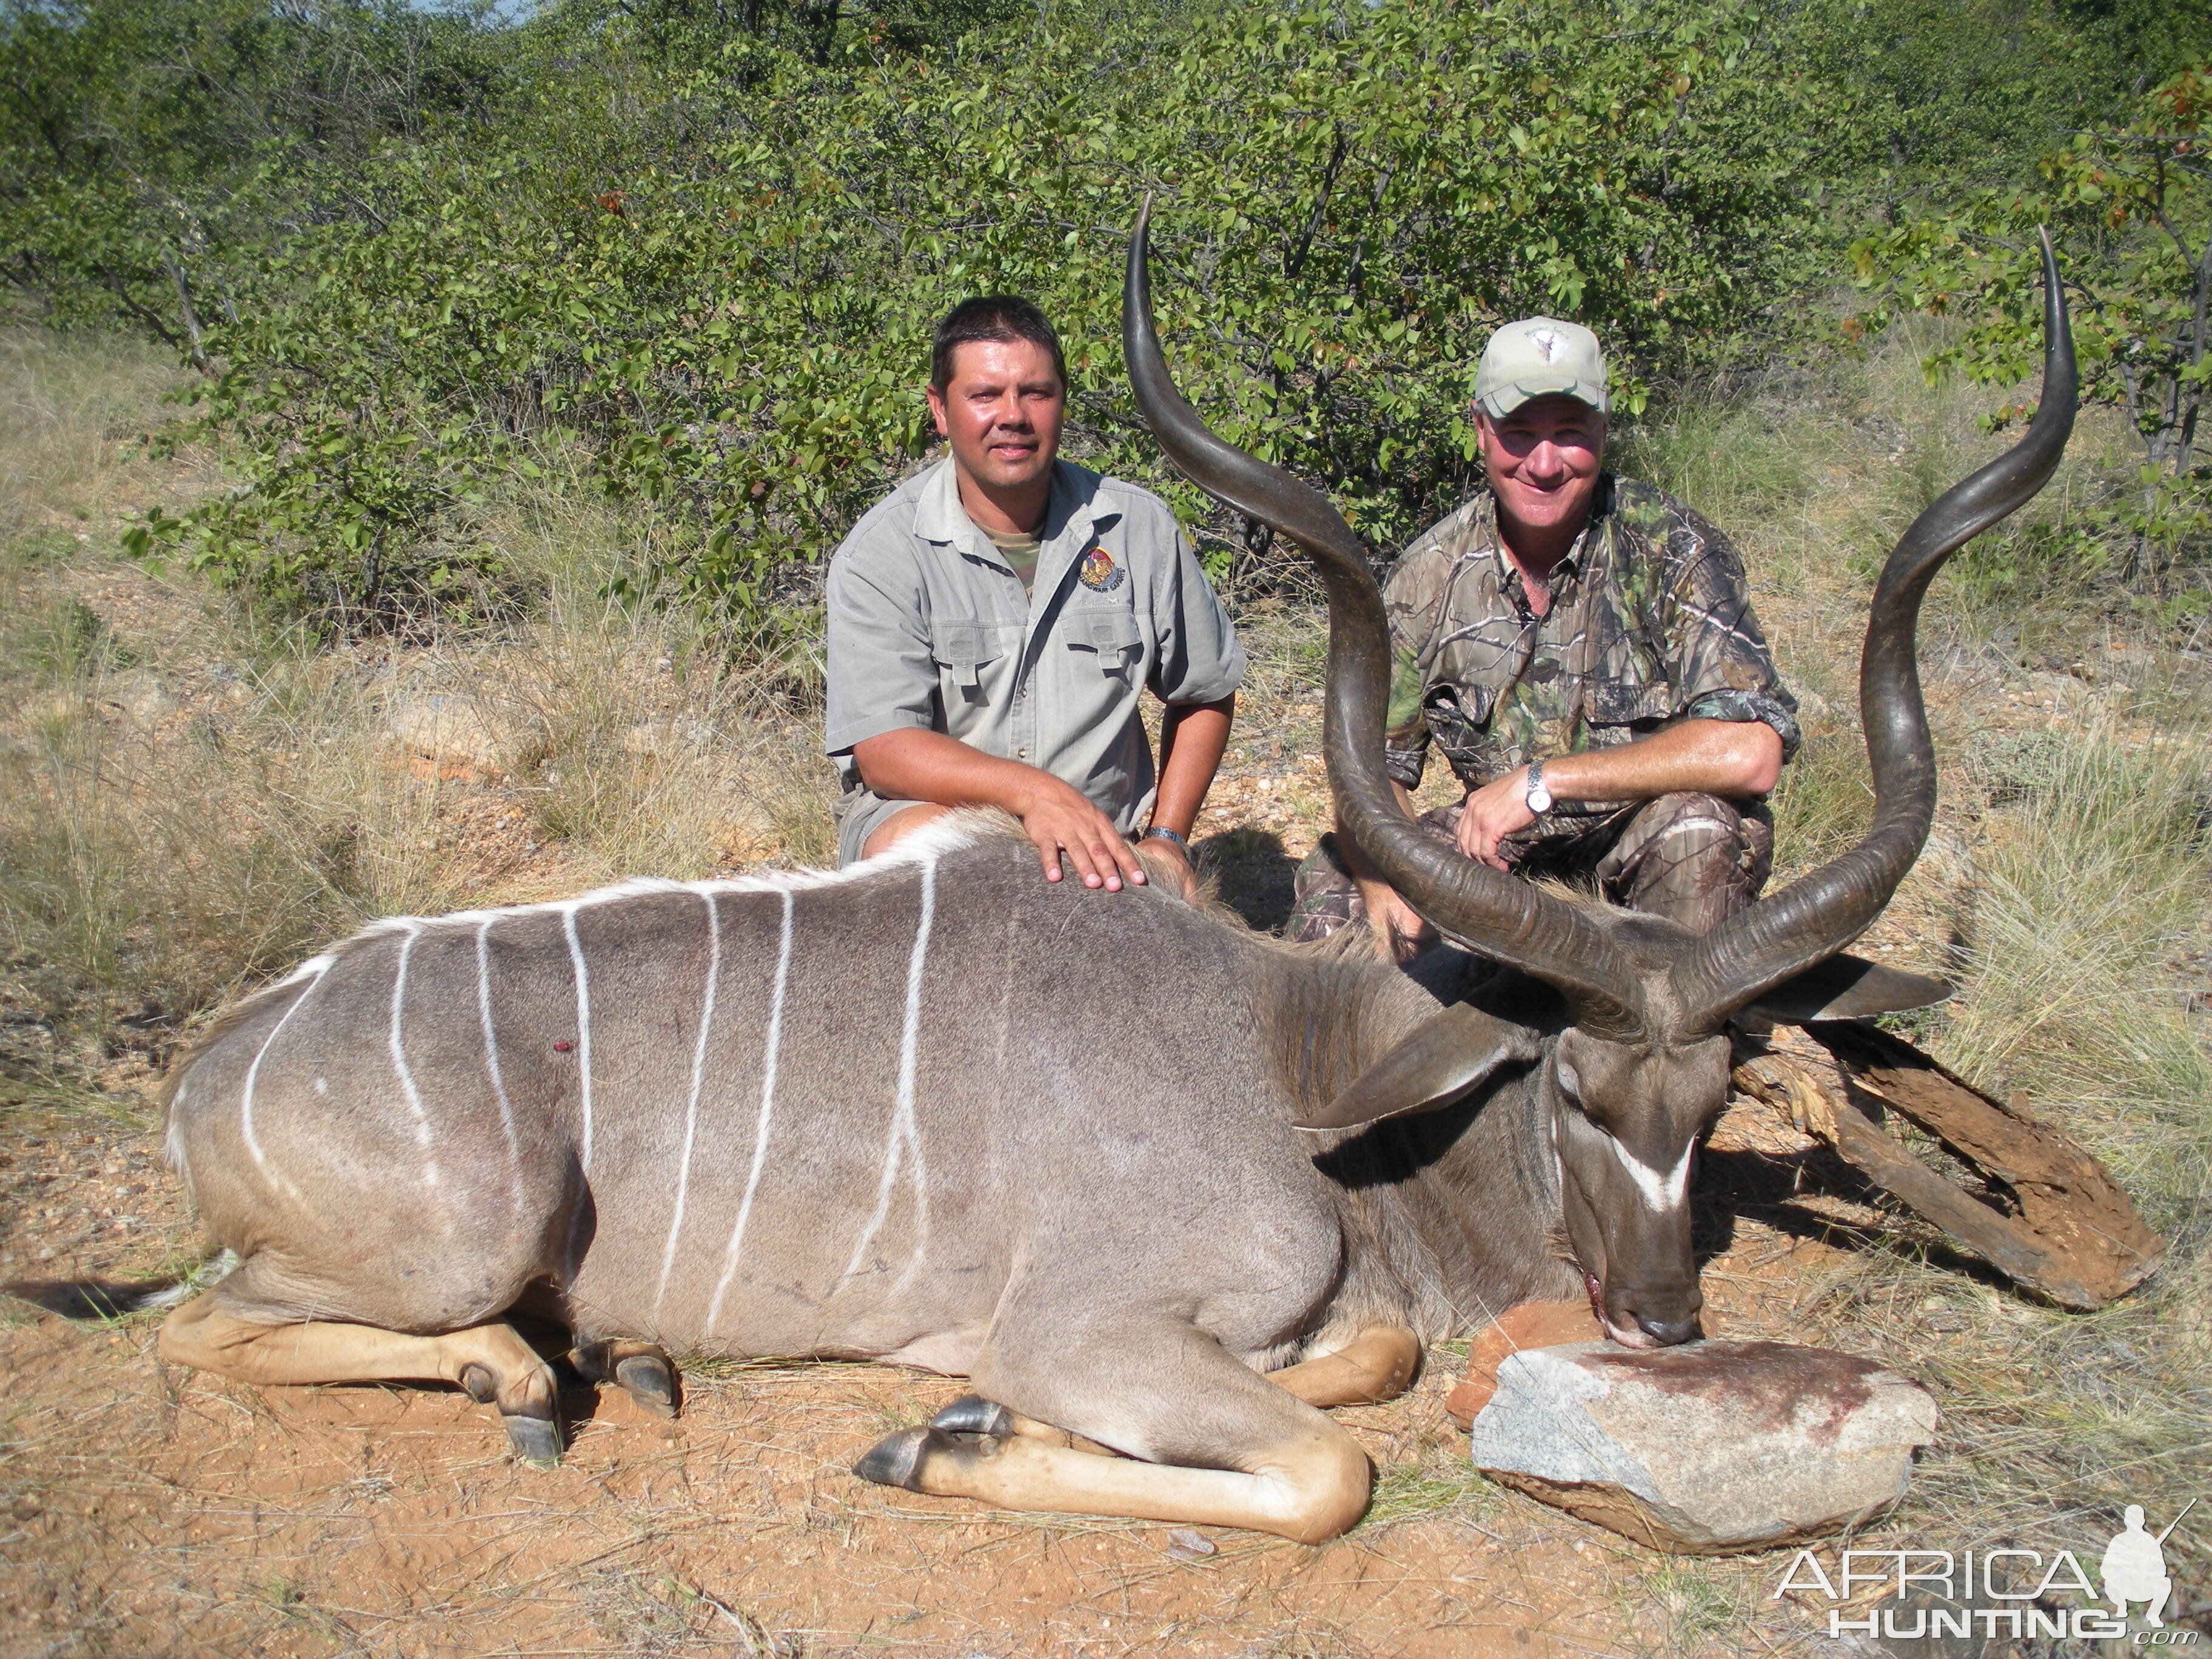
[1693, 858]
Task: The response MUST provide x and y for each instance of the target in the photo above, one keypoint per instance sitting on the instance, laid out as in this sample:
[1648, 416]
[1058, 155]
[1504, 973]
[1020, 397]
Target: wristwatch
[1539, 797]
[1161, 832]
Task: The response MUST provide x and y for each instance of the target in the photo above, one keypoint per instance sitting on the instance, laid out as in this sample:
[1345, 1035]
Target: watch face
[1540, 799]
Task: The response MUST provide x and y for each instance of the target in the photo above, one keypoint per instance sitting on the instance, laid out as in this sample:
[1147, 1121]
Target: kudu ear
[1448, 1055]
[1845, 988]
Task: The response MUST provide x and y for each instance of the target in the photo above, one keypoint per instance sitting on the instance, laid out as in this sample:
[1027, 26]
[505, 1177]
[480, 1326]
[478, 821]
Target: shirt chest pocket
[962, 651]
[1108, 634]
[1620, 702]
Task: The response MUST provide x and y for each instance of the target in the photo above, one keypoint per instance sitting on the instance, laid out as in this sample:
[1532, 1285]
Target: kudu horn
[1470, 903]
[1817, 915]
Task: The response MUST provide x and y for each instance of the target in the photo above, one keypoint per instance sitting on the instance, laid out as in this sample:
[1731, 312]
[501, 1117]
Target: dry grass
[191, 798]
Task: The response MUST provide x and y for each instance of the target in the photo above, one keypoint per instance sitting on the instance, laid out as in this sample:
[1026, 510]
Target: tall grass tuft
[2092, 914]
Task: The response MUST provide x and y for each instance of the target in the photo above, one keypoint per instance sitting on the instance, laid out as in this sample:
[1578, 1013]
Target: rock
[1187, 1544]
[140, 698]
[1706, 1447]
[449, 730]
[1526, 1325]
[659, 738]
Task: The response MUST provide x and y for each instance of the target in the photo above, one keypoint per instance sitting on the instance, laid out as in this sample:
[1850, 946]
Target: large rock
[1706, 1447]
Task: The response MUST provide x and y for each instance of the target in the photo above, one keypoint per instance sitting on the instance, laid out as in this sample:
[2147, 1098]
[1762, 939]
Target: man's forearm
[1192, 737]
[914, 764]
[1733, 759]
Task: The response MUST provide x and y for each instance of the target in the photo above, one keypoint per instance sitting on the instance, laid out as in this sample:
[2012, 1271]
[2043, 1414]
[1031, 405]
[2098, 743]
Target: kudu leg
[491, 1362]
[973, 1414]
[1375, 1365]
[1221, 1445]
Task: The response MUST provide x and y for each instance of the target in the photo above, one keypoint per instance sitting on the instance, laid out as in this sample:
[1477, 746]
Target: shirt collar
[1072, 510]
[1577, 557]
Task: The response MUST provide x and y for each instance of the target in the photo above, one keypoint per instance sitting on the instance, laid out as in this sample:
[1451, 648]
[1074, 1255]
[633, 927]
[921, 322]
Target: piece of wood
[2076, 1238]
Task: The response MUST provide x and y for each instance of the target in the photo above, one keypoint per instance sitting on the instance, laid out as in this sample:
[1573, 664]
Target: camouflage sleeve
[1717, 655]
[1413, 600]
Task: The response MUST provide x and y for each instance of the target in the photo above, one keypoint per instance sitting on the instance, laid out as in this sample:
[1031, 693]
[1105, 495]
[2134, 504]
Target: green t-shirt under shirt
[1021, 553]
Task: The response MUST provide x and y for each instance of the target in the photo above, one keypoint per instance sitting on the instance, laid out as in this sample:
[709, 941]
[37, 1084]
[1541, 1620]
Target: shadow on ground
[1254, 872]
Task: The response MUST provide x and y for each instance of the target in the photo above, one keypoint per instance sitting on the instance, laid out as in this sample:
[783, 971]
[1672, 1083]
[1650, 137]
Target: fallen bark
[2074, 1236]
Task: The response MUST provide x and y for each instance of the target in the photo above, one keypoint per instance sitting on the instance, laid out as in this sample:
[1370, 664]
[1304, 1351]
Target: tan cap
[1536, 356]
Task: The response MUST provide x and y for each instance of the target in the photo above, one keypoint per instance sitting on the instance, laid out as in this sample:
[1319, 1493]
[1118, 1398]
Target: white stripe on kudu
[770, 1054]
[399, 1061]
[245, 1095]
[691, 1108]
[1661, 1193]
[903, 1140]
[583, 1023]
[491, 1065]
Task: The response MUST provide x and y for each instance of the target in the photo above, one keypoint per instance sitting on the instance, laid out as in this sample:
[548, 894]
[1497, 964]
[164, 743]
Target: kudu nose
[1668, 1332]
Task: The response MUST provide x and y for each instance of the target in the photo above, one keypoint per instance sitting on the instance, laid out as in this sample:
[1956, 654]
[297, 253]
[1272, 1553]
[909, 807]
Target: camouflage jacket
[1649, 622]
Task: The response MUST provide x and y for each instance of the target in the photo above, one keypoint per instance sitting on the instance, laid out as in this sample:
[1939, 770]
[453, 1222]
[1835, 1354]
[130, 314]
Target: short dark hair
[1004, 317]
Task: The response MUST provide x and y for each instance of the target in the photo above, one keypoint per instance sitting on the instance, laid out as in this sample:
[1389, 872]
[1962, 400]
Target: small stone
[1706, 1447]
[1186, 1545]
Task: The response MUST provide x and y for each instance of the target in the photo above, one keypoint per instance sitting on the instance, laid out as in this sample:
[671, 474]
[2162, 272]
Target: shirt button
[1021, 754]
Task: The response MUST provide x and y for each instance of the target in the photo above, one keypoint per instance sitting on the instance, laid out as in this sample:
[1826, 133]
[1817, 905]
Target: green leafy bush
[2130, 208]
[724, 308]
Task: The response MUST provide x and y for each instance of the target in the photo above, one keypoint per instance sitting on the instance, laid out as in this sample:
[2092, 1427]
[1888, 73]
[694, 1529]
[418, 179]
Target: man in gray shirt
[993, 622]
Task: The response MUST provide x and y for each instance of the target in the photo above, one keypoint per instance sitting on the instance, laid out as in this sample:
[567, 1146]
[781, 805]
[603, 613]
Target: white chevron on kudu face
[1660, 1191]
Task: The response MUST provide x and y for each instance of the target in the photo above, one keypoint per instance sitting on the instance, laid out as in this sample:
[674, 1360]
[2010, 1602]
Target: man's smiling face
[1543, 460]
[1002, 411]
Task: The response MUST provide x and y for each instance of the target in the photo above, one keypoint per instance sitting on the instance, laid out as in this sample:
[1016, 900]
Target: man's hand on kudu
[1060, 818]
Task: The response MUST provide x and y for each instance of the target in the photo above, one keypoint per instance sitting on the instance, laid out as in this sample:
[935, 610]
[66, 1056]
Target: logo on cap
[1547, 342]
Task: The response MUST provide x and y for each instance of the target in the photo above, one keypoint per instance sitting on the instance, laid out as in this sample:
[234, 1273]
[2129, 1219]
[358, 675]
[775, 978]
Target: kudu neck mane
[1417, 1256]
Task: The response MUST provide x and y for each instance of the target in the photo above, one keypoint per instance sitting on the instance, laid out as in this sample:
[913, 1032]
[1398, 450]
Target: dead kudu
[1113, 1158]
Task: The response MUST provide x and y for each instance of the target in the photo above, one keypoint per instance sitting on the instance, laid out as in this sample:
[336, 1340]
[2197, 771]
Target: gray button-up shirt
[929, 628]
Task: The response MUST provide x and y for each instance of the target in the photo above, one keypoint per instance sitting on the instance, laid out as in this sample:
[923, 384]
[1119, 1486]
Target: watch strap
[1535, 792]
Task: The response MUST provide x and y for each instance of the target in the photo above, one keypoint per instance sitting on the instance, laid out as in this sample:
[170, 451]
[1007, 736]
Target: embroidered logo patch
[1099, 572]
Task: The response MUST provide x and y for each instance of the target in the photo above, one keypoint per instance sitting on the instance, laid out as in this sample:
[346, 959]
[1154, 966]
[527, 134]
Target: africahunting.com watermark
[2016, 1594]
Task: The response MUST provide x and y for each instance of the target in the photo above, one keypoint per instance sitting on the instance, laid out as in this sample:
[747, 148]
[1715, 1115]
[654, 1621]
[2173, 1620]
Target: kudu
[934, 1110]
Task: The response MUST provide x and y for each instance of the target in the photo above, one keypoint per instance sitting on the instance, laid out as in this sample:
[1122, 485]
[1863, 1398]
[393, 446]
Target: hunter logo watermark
[1994, 1593]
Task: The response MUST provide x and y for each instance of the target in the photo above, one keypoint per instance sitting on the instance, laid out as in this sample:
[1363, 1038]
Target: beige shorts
[860, 813]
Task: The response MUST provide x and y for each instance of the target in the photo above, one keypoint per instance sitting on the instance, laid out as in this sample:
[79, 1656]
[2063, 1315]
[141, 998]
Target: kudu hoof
[896, 1460]
[973, 1414]
[533, 1439]
[640, 1370]
[650, 1381]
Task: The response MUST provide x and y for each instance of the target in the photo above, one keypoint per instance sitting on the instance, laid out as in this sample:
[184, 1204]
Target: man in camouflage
[1581, 649]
